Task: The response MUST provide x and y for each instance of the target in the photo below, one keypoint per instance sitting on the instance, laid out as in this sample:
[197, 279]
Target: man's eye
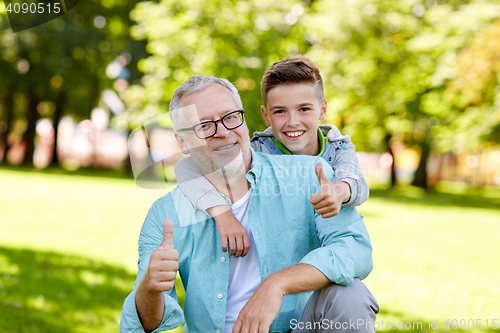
[205, 126]
[231, 117]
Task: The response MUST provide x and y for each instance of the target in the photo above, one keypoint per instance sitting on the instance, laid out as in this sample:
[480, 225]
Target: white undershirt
[244, 273]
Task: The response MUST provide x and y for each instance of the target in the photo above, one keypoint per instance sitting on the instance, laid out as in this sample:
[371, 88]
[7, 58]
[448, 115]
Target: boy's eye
[305, 108]
[278, 111]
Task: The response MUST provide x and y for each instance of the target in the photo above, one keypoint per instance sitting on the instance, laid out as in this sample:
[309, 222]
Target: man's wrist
[275, 283]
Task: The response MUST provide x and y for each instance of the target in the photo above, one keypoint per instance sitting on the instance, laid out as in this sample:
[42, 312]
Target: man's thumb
[322, 178]
[168, 235]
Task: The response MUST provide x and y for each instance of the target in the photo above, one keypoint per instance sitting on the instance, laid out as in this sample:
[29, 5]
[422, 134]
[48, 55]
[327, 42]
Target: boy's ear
[322, 113]
[181, 143]
[265, 115]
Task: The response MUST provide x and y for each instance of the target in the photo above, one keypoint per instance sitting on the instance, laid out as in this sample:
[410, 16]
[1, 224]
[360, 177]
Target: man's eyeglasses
[207, 129]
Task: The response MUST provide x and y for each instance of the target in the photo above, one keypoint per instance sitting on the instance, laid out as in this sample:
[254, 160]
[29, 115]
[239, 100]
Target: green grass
[68, 252]
[435, 255]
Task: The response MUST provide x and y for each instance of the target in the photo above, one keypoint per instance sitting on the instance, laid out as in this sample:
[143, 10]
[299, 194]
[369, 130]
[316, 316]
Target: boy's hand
[230, 231]
[328, 201]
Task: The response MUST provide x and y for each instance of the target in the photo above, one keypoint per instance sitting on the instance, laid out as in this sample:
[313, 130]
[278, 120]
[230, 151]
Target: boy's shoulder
[333, 133]
[260, 136]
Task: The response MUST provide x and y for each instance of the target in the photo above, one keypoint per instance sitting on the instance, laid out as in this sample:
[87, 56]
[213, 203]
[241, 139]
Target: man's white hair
[193, 84]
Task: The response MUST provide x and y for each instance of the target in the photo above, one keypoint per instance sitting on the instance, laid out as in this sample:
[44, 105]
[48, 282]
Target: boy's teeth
[294, 134]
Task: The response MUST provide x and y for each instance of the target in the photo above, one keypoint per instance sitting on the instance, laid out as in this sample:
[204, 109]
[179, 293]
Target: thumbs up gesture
[328, 201]
[163, 263]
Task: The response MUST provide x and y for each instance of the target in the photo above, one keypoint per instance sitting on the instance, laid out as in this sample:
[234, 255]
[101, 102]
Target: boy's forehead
[283, 92]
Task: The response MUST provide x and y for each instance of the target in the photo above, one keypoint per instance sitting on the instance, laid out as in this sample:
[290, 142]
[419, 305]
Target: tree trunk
[420, 179]
[8, 107]
[55, 122]
[128, 162]
[387, 140]
[29, 135]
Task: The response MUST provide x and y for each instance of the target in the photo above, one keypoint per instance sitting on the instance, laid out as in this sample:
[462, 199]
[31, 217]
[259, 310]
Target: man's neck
[233, 186]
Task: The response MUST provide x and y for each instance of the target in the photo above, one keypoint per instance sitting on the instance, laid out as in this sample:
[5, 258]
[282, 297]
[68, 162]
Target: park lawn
[68, 252]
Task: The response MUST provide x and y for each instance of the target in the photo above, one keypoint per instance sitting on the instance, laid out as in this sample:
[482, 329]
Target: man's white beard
[231, 168]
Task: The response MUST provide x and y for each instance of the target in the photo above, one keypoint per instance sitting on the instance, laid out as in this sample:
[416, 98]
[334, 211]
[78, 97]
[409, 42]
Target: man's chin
[229, 161]
[230, 165]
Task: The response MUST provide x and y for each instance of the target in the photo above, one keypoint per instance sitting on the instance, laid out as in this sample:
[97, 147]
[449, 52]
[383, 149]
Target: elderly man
[293, 251]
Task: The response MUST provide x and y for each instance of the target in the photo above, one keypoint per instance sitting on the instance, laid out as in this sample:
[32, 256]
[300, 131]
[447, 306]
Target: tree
[474, 94]
[63, 63]
[236, 40]
[386, 65]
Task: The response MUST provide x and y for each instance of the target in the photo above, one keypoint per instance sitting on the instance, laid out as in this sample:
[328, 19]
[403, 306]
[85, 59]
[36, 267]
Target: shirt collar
[255, 170]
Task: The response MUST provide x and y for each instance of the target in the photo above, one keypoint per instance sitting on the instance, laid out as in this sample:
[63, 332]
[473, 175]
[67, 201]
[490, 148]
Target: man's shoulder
[166, 199]
[167, 205]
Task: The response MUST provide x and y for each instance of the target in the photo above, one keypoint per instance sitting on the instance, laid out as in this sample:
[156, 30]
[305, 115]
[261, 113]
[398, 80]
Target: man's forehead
[211, 102]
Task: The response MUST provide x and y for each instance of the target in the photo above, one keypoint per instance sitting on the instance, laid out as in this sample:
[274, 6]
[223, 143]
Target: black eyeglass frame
[221, 120]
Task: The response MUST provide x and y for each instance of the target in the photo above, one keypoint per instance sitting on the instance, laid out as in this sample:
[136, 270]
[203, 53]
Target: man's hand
[230, 231]
[261, 309]
[328, 201]
[163, 264]
[159, 277]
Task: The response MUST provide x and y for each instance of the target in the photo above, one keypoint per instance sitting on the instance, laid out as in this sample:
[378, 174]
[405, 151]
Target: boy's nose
[293, 120]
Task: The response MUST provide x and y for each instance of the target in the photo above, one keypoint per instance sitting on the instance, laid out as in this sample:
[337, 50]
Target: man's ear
[181, 143]
[322, 113]
[265, 115]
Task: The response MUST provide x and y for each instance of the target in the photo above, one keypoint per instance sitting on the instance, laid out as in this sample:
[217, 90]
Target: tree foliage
[387, 63]
[59, 67]
[236, 40]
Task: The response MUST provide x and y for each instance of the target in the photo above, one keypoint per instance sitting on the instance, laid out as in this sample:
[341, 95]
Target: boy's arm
[346, 167]
[205, 197]
[195, 187]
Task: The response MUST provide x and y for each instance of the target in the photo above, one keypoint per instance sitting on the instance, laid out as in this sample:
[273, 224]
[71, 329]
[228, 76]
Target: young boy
[292, 92]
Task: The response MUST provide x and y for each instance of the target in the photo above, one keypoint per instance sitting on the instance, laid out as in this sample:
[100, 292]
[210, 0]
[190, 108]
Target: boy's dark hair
[297, 69]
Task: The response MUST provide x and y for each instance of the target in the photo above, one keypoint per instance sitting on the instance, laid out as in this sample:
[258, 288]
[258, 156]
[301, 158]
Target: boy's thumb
[322, 178]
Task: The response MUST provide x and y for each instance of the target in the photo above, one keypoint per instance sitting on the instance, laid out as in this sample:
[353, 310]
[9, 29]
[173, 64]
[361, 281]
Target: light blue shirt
[286, 229]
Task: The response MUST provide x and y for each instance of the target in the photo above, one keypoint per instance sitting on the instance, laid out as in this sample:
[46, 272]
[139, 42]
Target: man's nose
[222, 131]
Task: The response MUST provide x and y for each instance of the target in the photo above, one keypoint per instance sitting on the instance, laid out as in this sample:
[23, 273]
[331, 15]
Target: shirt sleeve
[345, 251]
[173, 316]
[346, 167]
[195, 187]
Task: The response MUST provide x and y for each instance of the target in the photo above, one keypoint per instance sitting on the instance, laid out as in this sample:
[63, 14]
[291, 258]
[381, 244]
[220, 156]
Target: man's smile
[224, 147]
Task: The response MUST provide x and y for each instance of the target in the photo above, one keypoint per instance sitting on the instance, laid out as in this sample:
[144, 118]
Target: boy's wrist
[218, 210]
[346, 191]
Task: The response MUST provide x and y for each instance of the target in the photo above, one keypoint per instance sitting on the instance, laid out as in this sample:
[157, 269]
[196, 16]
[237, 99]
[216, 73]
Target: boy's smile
[293, 112]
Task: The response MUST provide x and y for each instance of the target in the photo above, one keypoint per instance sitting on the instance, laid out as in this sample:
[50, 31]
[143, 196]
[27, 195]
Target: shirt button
[222, 259]
[219, 296]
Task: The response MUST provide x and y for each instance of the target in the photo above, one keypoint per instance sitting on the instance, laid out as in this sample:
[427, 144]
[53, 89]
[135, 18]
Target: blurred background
[415, 83]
